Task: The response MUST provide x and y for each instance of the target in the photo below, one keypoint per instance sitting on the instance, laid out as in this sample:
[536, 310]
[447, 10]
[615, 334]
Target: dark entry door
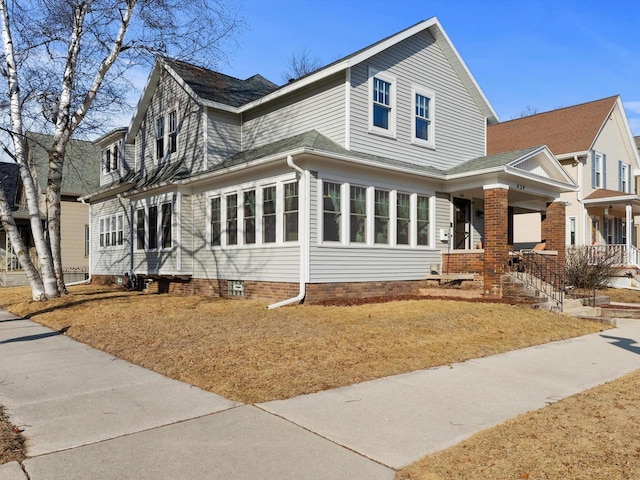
[461, 223]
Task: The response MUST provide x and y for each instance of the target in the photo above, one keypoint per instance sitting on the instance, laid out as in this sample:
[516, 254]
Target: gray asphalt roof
[9, 181]
[219, 87]
[81, 170]
[490, 161]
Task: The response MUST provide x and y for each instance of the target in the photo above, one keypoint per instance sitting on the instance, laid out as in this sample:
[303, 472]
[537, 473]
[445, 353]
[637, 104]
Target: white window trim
[599, 159]
[144, 204]
[102, 222]
[345, 211]
[568, 232]
[391, 132]
[625, 180]
[425, 92]
[239, 191]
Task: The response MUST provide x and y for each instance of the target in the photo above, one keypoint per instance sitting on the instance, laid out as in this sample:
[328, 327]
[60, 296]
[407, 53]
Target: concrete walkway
[87, 414]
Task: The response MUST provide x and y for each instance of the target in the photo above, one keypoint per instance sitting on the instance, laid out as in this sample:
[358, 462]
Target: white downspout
[304, 238]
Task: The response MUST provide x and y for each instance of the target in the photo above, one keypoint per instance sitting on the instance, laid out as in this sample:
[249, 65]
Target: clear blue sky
[537, 55]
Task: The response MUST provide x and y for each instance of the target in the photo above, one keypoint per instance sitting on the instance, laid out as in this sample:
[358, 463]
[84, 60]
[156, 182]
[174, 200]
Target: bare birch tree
[65, 65]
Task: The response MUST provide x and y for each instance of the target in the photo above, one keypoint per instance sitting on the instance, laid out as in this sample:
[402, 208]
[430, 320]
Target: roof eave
[617, 199]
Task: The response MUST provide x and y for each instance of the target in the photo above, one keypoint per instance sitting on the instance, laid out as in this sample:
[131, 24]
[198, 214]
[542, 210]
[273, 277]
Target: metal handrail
[541, 273]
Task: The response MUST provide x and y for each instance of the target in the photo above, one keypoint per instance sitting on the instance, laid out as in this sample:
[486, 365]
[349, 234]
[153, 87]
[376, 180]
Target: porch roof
[602, 196]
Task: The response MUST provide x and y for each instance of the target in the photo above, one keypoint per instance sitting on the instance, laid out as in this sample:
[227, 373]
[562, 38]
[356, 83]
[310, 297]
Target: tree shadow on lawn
[72, 304]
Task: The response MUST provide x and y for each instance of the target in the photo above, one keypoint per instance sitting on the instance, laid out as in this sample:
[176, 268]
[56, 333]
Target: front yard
[245, 352]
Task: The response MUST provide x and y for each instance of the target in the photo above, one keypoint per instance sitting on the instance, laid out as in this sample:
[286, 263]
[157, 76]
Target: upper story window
[173, 132]
[382, 103]
[598, 170]
[160, 137]
[423, 117]
[624, 177]
[107, 160]
[114, 159]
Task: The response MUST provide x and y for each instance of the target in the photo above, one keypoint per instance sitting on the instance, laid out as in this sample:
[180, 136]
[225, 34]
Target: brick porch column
[553, 230]
[496, 252]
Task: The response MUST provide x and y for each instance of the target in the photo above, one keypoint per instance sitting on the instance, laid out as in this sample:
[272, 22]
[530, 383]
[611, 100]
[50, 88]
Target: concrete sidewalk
[87, 414]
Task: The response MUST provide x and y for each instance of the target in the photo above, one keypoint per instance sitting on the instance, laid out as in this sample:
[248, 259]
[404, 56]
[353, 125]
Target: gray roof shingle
[490, 161]
[218, 87]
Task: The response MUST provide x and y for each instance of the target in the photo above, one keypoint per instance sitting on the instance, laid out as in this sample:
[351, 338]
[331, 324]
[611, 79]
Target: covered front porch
[487, 196]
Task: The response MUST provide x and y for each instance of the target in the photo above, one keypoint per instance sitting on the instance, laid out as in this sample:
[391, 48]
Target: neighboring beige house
[80, 177]
[594, 143]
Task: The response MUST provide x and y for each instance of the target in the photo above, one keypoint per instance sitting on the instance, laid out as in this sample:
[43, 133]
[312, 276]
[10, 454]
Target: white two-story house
[359, 179]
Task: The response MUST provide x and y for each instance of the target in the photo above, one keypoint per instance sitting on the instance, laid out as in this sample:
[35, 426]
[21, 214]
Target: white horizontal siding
[361, 264]
[112, 260]
[320, 107]
[223, 136]
[443, 219]
[459, 123]
[155, 262]
[275, 263]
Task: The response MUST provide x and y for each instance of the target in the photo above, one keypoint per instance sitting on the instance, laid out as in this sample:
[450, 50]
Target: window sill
[380, 132]
[422, 144]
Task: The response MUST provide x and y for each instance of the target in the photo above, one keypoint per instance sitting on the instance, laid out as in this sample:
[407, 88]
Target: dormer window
[107, 160]
[382, 103]
[160, 137]
[114, 159]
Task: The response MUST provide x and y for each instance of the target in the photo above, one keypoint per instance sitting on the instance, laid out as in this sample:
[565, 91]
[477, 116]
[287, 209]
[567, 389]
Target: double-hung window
[173, 132]
[331, 212]
[114, 160]
[140, 229]
[381, 214]
[624, 182]
[290, 212]
[112, 231]
[382, 103]
[269, 214]
[216, 221]
[422, 220]
[160, 137]
[249, 213]
[358, 214]
[166, 223]
[153, 227]
[423, 117]
[232, 219]
[598, 170]
[403, 218]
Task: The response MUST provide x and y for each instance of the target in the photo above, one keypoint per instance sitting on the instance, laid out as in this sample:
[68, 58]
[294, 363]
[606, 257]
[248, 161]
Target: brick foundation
[276, 291]
[463, 262]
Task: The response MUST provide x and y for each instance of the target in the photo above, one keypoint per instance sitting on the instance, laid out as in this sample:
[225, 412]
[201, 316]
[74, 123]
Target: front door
[461, 223]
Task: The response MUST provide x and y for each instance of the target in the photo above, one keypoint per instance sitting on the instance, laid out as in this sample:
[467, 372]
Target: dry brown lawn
[593, 435]
[243, 351]
[621, 295]
[247, 353]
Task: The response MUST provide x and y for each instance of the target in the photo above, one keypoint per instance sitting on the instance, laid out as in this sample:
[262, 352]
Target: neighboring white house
[361, 178]
[594, 143]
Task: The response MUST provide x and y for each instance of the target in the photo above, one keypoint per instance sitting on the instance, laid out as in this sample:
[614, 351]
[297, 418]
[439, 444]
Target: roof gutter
[304, 238]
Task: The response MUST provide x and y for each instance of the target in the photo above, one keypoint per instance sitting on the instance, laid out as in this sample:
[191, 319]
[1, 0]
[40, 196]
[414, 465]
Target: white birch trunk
[21, 250]
[20, 151]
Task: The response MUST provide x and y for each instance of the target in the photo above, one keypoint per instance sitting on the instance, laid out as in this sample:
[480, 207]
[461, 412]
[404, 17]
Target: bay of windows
[232, 219]
[381, 218]
[249, 213]
[403, 217]
[216, 221]
[358, 214]
[422, 220]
